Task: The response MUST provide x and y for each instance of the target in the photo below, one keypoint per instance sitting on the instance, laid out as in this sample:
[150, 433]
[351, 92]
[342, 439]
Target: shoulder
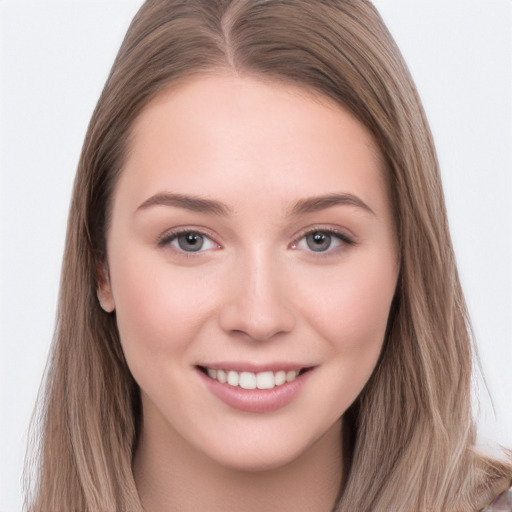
[503, 503]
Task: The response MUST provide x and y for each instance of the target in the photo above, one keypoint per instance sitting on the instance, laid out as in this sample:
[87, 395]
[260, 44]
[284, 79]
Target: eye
[319, 241]
[322, 240]
[188, 241]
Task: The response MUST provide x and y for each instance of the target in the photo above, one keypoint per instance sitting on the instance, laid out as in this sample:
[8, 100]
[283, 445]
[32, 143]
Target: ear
[104, 290]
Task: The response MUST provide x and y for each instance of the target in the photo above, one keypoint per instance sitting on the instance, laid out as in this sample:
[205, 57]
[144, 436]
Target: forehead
[225, 135]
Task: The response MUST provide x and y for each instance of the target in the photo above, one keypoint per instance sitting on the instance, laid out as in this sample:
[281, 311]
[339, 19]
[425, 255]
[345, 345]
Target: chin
[261, 453]
[256, 461]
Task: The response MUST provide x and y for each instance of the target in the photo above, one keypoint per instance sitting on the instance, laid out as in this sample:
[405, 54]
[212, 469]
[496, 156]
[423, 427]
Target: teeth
[233, 378]
[250, 380]
[291, 375]
[247, 380]
[280, 378]
[265, 380]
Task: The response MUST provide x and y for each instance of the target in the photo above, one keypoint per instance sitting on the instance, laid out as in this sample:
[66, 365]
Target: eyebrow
[192, 203]
[318, 203]
[203, 205]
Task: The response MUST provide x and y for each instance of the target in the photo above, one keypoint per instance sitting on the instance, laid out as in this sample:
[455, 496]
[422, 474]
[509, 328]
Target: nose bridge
[258, 304]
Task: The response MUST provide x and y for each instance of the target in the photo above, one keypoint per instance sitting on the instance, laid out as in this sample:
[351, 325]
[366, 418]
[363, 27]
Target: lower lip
[256, 400]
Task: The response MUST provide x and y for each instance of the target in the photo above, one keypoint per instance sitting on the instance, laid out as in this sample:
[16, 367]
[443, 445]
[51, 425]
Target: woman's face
[251, 239]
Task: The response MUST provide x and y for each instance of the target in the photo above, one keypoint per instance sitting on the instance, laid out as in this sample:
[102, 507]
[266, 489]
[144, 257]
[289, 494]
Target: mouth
[255, 388]
[266, 379]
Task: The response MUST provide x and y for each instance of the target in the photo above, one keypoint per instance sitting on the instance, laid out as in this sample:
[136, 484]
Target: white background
[54, 59]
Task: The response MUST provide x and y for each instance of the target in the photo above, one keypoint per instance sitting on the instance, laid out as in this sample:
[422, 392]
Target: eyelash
[167, 238]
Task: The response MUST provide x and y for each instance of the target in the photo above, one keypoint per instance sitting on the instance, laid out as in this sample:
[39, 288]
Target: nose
[257, 306]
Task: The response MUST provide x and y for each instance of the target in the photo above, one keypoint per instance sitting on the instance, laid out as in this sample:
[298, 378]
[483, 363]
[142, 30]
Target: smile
[250, 380]
[260, 391]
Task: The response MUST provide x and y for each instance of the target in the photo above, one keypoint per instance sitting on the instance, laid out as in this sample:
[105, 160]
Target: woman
[256, 234]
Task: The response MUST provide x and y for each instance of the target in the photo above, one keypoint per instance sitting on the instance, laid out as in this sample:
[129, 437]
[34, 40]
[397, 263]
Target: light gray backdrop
[54, 59]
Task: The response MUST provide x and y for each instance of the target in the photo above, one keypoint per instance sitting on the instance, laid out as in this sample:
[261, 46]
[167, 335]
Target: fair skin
[251, 231]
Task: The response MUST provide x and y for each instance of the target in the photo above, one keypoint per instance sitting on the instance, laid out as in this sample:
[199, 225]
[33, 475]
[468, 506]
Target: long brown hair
[411, 428]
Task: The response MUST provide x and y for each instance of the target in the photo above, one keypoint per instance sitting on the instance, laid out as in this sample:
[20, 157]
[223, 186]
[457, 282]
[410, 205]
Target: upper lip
[240, 366]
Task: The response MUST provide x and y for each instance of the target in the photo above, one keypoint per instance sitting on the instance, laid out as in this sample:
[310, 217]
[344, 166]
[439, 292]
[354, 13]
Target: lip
[255, 400]
[254, 367]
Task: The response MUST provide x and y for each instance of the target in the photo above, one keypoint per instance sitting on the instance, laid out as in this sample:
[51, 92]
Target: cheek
[157, 310]
[352, 317]
[353, 309]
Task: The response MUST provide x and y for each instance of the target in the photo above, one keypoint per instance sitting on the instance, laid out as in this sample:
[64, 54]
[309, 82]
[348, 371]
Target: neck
[173, 476]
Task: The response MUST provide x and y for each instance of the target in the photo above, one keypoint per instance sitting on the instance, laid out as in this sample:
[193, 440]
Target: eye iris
[190, 242]
[318, 241]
